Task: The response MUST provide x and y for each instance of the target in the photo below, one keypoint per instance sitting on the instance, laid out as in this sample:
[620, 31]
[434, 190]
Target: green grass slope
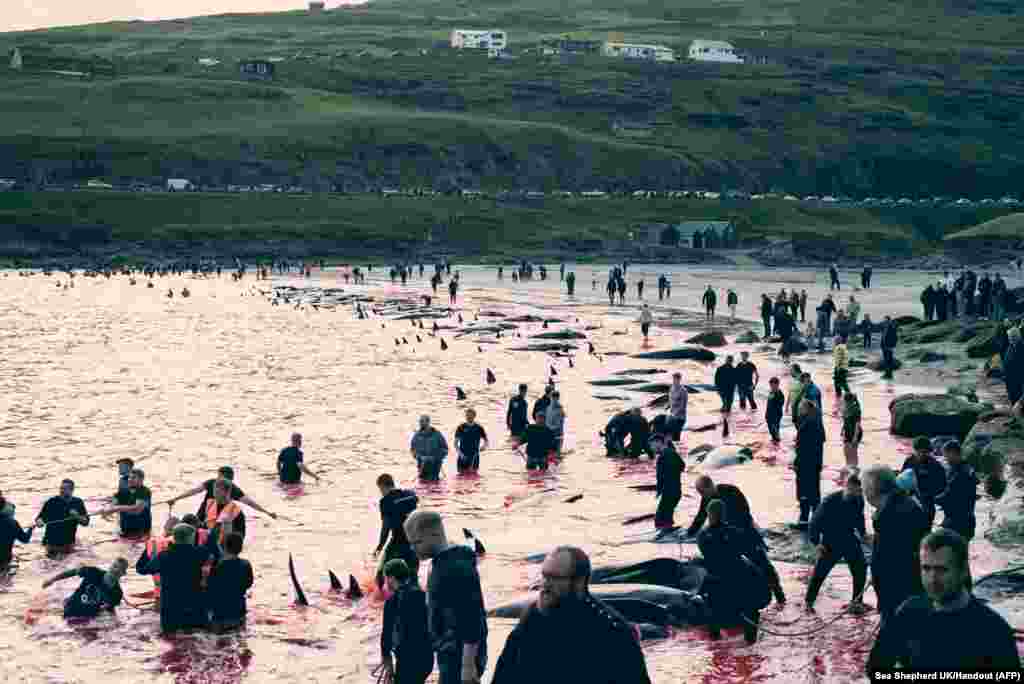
[873, 97]
[1010, 228]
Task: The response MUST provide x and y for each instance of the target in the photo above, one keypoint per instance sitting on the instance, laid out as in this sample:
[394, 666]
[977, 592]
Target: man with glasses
[593, 642]
[455, 601]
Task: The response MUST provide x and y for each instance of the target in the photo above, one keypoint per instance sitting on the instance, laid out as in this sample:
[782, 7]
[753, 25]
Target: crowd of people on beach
[919, 572]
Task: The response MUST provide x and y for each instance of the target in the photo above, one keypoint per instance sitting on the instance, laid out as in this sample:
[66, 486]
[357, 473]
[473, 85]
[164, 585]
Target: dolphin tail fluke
[354, 590]
[335, 582]
[300, 596]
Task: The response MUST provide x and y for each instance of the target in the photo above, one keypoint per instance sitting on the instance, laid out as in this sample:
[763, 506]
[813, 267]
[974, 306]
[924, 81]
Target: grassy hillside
[871, 97]
[484, 225]
[1009, 227]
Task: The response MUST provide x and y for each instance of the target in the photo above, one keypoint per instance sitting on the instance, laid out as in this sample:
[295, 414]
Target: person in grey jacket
[554, 419]
[429, 448]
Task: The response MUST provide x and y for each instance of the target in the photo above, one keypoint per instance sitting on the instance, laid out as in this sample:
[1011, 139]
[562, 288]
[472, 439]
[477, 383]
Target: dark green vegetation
[870, 97]
[1010, 228]
[879, 97]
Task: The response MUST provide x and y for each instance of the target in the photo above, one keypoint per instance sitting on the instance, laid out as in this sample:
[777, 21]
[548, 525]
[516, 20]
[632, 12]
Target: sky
[20, 15]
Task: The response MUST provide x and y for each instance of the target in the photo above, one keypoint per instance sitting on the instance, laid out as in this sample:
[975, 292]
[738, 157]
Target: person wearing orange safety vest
[154, 546]
[223, 513]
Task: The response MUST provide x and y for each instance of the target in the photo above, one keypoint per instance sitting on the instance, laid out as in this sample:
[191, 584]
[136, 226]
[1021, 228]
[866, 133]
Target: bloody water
[185, 385]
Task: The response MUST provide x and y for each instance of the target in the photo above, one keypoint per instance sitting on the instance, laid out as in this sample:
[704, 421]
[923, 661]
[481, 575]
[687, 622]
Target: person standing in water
[669, 488]
[709, 300]
[406, 655]
[290, 465]
[774, 411]
[396, 505]
[646, 318]
[62, 515]
[10, 531]
[229, 581]
[429, 448]
[98, 591]
[468, 439]
[516, 417]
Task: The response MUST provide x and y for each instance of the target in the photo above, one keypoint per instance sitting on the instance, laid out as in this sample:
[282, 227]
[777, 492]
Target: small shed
[259, 69]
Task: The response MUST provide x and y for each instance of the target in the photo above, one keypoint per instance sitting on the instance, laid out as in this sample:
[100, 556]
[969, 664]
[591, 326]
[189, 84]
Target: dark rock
[858, 363]
[936, 333]
[931, 357]
[933, 414]
[995, 441]
[712, 338]
[983, 346]
[906, 320]
[688, 353]
[970, 332]
[876, 365]
[559, 335]
[749, 337]
[964, 391]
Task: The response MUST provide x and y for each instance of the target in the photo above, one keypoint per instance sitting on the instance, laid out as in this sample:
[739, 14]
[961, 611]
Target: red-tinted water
[184, 386]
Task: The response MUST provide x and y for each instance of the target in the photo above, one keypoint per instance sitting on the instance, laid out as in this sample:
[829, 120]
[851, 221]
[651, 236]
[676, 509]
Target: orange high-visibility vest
[215, 513]
[154, 547]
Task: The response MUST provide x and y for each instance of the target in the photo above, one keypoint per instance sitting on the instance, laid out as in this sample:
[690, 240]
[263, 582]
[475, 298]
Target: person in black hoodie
[809, 461]
[396, 505]
[10, 531]
[958, 499]
[766, 314]
[929, 476]
[516, 418]
[890, 338]
[899, 525]
[928, 302]
[182, 604]
[594, 643]
[774, 410]
[455, 602]
[725, 383]
[669, 489]
[406, 655]
[836, 529]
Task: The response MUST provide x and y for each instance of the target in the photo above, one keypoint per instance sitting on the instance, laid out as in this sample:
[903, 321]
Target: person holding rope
[61, 515]
[156, 545]
[223, 473]
[948, 629]
[181, 575]
[10, 531]
[133, 506]
[836, 530]
[97, 592]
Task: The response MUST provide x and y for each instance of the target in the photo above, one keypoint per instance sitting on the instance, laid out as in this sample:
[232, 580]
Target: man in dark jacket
[669, 488]
[890, 337]
[1013, 366]
[928, 302]
[396, 505]
[948, 629]
[929, 476]
[958, 499]
[62, 515]
[809, 461]
[709, 300]
[516, 418]
[594, 643]
[540, 443]
[837, 529]
[181, 575]
[899, 526]
[10, 532]
[541, 405]
[766, 314]
[406, 654]
[455, 602]
[725, 383]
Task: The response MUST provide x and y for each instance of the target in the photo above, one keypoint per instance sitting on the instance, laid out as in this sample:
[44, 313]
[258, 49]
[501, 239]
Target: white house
[493, 40]
[714, 51]
[178, 185]
[654, 53]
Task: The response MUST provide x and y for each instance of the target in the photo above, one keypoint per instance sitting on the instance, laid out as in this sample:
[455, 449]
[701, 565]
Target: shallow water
[186, 385]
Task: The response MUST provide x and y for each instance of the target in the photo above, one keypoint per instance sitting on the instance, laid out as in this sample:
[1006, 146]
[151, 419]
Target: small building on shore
[651, 53]
[257, 69]
[714, 51]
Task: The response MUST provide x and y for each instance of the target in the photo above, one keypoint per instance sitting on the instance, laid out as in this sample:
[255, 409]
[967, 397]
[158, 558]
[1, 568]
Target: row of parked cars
[180, 185]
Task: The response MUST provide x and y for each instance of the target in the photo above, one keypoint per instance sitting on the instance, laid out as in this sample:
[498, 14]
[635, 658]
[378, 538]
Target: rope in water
[843, 613]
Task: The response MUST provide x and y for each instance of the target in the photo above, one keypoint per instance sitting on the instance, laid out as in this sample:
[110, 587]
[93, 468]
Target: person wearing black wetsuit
[55, 514]
[229, 580]
[405, 648]
[10, 532]
[540, 442]
[97, 592]
[468, 437]
[182, 604]
[669, 488]
[395, 507]
[516, 418]
[836, 529]
[947, 630]
[133, 506]
[290, 464]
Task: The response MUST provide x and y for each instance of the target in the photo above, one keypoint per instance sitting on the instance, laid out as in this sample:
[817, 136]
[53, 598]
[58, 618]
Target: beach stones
[679, 353]
[933, 414]
[711, 338]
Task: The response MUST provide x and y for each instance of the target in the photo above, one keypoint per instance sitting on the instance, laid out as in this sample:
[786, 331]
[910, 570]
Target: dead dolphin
[663, 572]
[649, 604]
